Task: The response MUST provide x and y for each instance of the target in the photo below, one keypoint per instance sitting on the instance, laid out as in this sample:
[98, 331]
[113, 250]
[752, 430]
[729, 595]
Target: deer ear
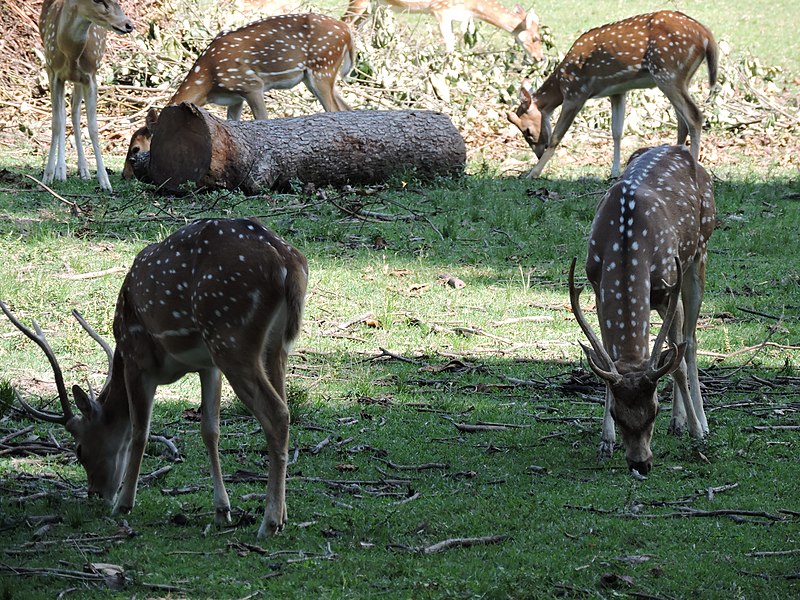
[670, 360]
[151, 120]
[531, 18]
[608, 374]
[88, 407]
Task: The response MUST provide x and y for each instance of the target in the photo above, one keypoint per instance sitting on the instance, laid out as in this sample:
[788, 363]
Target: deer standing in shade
[217, 297]
[647, 251]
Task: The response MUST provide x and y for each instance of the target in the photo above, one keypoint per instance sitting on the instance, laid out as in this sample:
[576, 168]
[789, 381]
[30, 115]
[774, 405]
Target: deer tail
[296, 284]
[712, 60]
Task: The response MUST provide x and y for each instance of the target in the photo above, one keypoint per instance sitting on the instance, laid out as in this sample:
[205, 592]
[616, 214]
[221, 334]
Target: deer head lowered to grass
[217, 297]
[524, 26]
[274, 53]
[647, 251]
[662, 49]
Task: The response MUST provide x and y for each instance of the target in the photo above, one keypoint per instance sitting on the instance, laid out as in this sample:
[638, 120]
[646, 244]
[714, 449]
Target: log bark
[360, 147]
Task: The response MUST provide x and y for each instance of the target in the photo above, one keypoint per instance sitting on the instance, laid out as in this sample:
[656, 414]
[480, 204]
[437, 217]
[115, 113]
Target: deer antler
[97, 338]
[654, 372]
[39, 338]
[607, 371]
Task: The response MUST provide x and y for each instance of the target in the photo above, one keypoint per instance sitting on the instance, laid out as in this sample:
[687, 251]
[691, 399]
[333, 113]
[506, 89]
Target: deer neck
[79, 45]
[496, 14]
[549, 95]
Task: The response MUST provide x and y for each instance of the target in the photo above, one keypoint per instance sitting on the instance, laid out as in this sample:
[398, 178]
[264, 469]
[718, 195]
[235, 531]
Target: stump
[359, 147]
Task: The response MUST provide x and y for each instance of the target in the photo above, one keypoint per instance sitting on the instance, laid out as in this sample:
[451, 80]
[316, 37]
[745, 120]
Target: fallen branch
[422, 467]
[463, 543]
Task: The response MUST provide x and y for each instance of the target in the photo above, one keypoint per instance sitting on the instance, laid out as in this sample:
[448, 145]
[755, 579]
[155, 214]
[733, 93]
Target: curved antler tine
[40, 340]
[40, 414]
[97, 338]
[597, 346]
[672, 307]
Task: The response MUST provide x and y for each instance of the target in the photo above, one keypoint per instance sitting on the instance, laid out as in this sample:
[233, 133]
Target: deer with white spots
[662, 50]
[524, 26]
[274, 53]
[217, 297]
[74, 36]
[647, 251]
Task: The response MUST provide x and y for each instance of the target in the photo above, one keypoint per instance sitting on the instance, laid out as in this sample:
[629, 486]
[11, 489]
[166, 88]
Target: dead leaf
[346, 467]
[450, 280]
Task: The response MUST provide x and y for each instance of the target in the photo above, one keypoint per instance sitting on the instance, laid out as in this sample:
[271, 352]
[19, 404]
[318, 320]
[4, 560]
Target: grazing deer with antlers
[662, 49]
[647, 251]
[217, 297]
[274, 53]
[523, 26]
[74, 36]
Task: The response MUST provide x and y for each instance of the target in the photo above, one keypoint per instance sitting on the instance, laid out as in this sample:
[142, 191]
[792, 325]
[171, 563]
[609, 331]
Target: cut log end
[181, 148]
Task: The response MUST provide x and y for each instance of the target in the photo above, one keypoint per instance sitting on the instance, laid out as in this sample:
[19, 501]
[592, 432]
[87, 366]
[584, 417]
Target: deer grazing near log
[523, 26]
[217, 297]
[647, 251]
[274, 53]
[74, 36]
[662, 49]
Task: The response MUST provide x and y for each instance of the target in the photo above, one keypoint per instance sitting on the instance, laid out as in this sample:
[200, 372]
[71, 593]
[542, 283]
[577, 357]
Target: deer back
[275, 52]
[662, 207]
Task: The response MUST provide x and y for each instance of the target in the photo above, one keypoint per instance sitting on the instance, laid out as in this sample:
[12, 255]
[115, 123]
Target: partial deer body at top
[662, 49]
[274, 53]
[217, 297]
[524, 26]
[647, 251]
[74, 36]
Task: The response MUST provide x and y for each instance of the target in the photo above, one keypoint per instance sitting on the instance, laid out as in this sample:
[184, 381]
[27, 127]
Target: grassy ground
[390, 360]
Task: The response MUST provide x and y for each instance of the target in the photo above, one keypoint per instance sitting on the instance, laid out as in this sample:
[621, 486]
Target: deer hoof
[269, 528]
[676, 428]
[606, 451]
[222, 516]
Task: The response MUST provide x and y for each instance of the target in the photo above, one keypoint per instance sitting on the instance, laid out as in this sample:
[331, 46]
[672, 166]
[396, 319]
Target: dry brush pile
[401, 64]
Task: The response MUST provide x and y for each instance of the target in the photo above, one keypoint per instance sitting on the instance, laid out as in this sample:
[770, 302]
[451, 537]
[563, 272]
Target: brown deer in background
[647, 251]
[74, 36]
[662, 49]
[217, 297]
[274, 53]
[523, 26]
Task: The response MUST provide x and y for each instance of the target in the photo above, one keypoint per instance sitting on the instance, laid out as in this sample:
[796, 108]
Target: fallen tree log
[359, 147]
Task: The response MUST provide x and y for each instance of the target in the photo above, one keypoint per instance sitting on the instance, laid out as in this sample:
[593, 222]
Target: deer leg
[77, 99]
[141, 391]
[446, 30]
[688, 112]
[90, 99]
[692, 293]
[568, 113]
[234, 112]
[211, 382]
[617, 126]
[609, 436]
[257, 393]
[255, 100]
[326, 93]
[56, 162]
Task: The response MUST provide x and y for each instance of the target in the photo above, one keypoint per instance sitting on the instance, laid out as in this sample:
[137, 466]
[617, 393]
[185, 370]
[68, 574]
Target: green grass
[569, 525]
[573, 526]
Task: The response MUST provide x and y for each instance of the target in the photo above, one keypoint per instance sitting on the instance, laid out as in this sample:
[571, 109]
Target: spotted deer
[647, 251]
[662, 50]
[217, 297]
[274, 53]
[523, 26]
[74, 36]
